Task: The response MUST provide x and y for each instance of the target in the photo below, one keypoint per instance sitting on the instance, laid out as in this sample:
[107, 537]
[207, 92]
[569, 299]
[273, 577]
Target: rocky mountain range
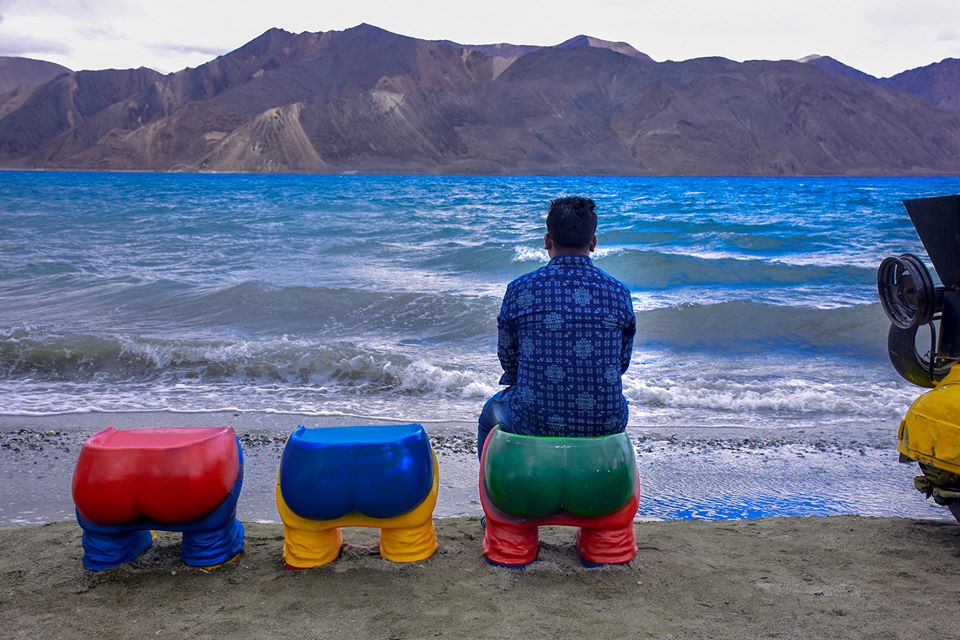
[367, 100]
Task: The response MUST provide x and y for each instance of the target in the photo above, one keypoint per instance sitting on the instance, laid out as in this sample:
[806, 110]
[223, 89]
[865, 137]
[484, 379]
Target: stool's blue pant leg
[495, 411]
[218, 536]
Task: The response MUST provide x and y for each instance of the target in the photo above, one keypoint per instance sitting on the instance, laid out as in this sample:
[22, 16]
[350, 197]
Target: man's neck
[560, 252]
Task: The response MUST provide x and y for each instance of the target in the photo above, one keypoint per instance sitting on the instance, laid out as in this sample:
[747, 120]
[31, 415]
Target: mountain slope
[837, 68]
[717, 116]
[74, 109]
[581, 41]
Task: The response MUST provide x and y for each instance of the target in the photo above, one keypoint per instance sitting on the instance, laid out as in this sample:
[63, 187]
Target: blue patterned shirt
[565, 338]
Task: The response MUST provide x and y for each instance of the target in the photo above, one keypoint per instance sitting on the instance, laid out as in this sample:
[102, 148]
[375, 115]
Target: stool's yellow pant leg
[412, 536]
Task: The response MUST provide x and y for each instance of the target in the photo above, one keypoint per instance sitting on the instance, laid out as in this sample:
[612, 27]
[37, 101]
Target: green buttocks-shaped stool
[530, 481]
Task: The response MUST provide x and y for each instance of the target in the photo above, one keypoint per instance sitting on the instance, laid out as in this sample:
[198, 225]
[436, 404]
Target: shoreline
[803, 578]
[687, 473]
[443, 174]
[849, 434]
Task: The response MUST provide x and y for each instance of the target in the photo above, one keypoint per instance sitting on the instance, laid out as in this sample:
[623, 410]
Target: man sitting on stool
[565, 338]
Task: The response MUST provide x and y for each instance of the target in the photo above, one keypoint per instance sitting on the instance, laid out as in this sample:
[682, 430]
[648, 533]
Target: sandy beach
[841, 577]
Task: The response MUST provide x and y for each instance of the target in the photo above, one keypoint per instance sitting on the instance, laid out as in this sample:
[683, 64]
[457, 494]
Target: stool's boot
[510, 545]
[105, 550]
[615, 545]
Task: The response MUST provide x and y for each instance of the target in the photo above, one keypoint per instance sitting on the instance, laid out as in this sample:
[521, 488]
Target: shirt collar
[572, 261]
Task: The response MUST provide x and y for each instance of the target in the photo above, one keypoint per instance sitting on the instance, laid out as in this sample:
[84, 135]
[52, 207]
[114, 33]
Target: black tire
[912, 366]
[955, 509]
[906, 290]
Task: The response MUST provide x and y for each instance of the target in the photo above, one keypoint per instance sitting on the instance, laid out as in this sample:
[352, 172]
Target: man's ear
[547, 242]
[593, 244]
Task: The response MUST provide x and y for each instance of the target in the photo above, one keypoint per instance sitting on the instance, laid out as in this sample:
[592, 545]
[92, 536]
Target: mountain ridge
[937, 83]
[16, 72]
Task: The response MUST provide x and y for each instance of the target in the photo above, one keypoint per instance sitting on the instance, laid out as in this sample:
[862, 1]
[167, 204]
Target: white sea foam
[810, 297]
[661, 389]
[527, 253]
[863, 260]
[767, 394]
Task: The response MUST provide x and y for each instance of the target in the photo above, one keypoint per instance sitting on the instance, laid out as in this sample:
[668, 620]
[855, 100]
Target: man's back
[565, 338]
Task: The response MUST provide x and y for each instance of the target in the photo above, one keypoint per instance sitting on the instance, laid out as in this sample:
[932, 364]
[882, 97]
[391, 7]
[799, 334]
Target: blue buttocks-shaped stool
[384, 477]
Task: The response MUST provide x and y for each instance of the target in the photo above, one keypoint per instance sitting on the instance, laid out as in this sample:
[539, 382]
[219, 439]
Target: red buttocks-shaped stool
[130, 482]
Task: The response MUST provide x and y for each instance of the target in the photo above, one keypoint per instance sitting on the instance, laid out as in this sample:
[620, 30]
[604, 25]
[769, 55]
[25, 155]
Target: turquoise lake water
[378, 295]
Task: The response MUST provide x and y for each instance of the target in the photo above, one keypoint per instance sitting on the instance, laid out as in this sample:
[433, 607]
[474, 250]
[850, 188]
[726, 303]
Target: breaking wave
[747, 326]
[36, 357]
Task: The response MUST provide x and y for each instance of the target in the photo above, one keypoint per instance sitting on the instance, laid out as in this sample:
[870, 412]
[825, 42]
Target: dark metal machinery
[911, 299]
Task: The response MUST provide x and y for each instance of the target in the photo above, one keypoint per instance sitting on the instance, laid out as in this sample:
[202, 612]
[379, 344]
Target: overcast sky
[881, 37]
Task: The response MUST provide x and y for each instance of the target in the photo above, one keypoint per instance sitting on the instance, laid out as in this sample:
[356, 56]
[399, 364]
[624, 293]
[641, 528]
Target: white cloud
[83, 10]
[186, 49]
[17, 45]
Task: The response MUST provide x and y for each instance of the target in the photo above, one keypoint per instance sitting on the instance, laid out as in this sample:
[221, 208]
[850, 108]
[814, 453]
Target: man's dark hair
[572, 222]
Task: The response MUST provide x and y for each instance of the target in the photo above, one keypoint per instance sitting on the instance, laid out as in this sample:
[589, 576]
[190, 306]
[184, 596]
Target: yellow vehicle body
[930, 432]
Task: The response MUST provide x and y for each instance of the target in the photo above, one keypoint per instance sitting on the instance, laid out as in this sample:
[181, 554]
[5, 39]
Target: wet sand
[841, 577]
